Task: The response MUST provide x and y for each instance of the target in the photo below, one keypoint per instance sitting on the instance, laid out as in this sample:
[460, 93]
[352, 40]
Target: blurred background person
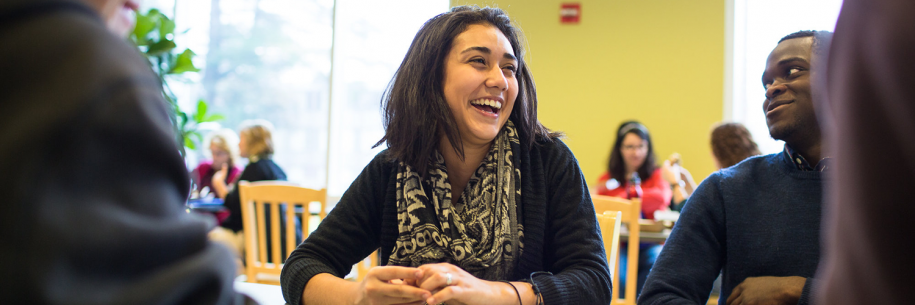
[633, 153]
[631, 160]
[214, 175]
[255, 142]
[681, 181]
[732, 143]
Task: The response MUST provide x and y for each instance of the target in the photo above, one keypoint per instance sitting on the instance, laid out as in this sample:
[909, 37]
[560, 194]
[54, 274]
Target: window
[316, 69]
[754, 29]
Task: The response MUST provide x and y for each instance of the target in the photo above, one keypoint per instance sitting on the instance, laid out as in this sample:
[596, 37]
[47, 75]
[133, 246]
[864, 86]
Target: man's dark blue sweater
[760, 217]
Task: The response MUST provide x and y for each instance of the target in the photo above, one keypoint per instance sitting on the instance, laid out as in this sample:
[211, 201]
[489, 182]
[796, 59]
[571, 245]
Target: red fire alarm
[570, 13]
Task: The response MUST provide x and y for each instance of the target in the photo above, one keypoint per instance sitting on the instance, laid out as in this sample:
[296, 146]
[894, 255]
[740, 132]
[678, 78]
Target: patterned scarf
[480, 233]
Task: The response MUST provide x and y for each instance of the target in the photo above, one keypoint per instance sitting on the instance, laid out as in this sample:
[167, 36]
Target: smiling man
[93, 184]
[758, 222]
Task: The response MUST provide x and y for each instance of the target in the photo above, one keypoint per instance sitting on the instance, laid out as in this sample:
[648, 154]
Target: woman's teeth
[487, 102]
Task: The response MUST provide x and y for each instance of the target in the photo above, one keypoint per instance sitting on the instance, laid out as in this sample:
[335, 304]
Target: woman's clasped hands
[430, 284]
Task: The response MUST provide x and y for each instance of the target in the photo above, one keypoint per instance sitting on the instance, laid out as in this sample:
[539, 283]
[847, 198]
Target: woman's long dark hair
[416, 114]
[617, 166]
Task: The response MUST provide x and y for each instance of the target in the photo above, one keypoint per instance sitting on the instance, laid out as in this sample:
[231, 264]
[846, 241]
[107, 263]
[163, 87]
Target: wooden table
[262, 293]
[648, 237]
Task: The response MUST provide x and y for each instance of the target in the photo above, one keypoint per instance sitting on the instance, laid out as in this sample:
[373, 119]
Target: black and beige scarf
[481, 232]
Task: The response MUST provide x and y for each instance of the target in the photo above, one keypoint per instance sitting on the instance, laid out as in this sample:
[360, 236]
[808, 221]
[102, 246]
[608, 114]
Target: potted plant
[154, 36]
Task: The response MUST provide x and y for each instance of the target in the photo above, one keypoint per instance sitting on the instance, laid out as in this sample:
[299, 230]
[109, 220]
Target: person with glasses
[631, 158]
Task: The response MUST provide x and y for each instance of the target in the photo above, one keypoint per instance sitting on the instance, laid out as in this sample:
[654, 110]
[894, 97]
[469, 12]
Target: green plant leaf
[201, 111]
[197, 135]
[161, 47]
[184, 63]
[145, 24]
[190, 144]
[166, 26]
[182, 120]
[214, 118]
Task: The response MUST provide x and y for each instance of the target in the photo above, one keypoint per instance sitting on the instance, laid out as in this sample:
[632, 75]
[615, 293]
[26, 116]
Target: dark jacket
[262, 170]
[93, 185]
[560, 229]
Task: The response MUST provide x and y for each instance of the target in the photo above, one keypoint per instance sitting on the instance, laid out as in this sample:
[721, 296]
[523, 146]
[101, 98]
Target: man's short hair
[821, 39]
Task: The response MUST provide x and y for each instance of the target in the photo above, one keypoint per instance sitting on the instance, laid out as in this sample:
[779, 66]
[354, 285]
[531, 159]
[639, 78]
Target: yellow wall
[657, 61]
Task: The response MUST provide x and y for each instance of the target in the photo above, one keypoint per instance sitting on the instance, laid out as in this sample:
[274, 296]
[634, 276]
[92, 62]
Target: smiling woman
[472, 192]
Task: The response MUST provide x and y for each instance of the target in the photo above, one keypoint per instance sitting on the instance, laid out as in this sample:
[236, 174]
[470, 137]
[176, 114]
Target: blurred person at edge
[633, 153]
[868, 120]
[93, 183]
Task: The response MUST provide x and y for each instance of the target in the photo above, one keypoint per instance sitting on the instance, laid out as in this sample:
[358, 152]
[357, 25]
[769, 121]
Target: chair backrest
[262, 200]
[362, 268]
[630, 213]
[610, 232]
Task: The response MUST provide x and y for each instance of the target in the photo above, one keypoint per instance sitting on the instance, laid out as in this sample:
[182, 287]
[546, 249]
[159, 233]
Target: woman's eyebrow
[487, 51]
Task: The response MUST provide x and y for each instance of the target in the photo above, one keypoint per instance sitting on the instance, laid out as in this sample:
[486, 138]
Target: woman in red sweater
[633, 153]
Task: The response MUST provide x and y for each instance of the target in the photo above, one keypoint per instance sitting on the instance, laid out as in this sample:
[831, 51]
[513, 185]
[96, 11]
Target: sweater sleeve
[806, 298]
[700, 236]
[350, 232]
[655, 195]
[574, 251]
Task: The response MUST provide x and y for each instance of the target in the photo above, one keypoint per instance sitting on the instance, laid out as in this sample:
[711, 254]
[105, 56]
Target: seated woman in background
[732, 143]
[633, 157]
[255, 142]
[472, 198]
[223, 166]
[633, 154]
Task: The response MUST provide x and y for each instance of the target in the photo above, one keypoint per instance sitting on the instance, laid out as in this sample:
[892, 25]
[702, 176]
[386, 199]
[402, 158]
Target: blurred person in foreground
[94, 187]
[473, 196]
[869, 117]
[756, 223]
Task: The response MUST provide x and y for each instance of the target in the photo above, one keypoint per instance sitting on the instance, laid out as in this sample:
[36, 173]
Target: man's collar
[800, 163]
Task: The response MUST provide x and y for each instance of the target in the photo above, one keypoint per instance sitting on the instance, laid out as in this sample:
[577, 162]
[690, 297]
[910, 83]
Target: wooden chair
[610, 231]
[363, 267]
[630, 211]
[263, 199]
